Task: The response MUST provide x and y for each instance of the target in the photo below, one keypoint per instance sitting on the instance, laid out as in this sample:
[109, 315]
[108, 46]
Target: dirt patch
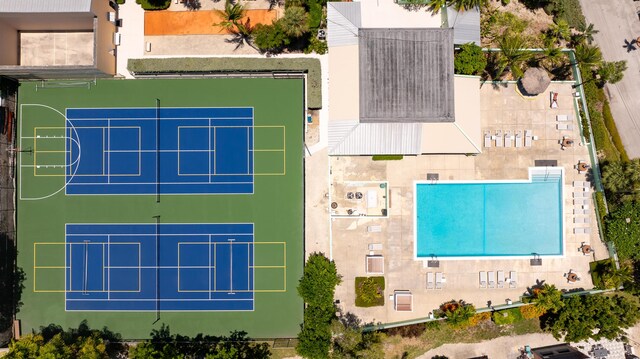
[538, 21]
[197, 22]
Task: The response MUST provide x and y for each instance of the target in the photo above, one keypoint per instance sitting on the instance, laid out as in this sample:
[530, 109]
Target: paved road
[617, 21]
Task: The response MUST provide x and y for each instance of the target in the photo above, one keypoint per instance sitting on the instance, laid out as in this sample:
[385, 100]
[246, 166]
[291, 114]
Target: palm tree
[615, 278]
[633, 170]
[461, 314]
[548, 298]
[231, 15]
[436, 5]
[614, 177]
[512, 54]
[242, 35]
[551, 57]
[587, 31]
[560, 30]
[588, 55]
[295, 21]
[464, 5]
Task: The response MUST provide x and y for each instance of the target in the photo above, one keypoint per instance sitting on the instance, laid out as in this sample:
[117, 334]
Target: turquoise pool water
[489, 219]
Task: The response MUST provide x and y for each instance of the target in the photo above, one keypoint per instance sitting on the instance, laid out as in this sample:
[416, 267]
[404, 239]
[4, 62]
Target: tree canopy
[622, 226]
[470, 60]
[592, 316]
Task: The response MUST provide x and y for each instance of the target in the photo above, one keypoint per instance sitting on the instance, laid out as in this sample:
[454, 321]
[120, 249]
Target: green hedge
[120, 2]
[613, 131]
[387, 157]
[236, 65]
[154, 4]
[602, 209]
[369, 291]
[507, 316]
[597, 268]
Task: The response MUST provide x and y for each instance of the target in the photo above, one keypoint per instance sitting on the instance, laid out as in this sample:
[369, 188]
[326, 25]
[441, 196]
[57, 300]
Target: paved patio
[503, 109]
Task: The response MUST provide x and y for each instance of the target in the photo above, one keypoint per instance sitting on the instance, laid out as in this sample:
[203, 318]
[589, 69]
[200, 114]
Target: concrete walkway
[132, 36]
[617, 21]
[503, 347]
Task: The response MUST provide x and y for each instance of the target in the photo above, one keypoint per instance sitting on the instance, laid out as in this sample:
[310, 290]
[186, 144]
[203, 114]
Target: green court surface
[275, 208]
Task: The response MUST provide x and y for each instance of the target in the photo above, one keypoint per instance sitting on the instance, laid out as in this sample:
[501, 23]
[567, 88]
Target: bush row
[236, 65]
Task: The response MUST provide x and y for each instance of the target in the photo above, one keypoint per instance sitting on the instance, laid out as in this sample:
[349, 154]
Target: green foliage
[560, 30]
[120, 1]
[236, 65]
[611, 72]
[602, 209]
[316, 45]
[588, 56]
[568, 10]
[387, 157]
[512, 55]
[369, 291]
[458, 313]
[270, 38]
[622, 227]
[295, 21]
[505, 2]
[349, 341]
[319, 280]
[470, 60]
[465, 5]
[597, 268]
[436, 5]
[317, 287]
[531, 311]
[592, 316]
[585, 126]
[154, 4]
[316, 15]
[547, 297]
[495, 24]
[610, 124]
[507, 316]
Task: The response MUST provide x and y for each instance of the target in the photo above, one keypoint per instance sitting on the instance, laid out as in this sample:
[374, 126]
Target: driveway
[617, 21]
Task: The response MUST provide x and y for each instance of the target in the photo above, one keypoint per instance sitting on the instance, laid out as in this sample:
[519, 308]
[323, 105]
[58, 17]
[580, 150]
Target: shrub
[316, 45]
[387, 157]
[597, 269]
[408, 331]
[369, 291]
[316, 15]
[470, 60]
[120, 2]
[479, 318]
[507, 316]
[270, 38]
[585, 126]
[531, 311]
[613, 131]
[154, 4]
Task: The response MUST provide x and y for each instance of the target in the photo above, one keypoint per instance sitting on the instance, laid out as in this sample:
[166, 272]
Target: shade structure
[535, 81]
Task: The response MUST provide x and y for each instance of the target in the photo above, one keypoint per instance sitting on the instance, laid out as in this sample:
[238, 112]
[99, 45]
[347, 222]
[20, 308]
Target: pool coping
[531, 171]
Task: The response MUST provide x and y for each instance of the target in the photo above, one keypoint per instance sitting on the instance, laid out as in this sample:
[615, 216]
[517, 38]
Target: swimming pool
[490, 218]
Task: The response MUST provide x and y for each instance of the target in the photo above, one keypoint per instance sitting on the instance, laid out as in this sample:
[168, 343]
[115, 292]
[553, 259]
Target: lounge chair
[508, 139]
[492, 279]
[585, 206]
[586, 184]
[375, 246]
[581, 194]
[564, 126]
[578, 183]
[430, 282]
[580, 211]
[562, 118]
[500, 279]
[580, 201]
[483, 279]
[527, 138]
[374, 229]
[499, 139]
[519, 139]
[513, 279]
[581, 230]
[487, 139]
[439, 280]
[581, 220]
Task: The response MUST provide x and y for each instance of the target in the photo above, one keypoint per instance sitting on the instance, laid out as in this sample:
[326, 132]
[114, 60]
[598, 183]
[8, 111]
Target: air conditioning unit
[322, 34]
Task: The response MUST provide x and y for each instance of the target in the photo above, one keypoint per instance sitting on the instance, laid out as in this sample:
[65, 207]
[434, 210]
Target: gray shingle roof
[45, 6]
[406, 75]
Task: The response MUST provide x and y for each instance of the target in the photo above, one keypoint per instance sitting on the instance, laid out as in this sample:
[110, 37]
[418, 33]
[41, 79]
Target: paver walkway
[197, 22]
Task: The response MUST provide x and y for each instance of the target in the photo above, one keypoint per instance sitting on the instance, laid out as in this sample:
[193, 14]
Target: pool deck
[502, 108]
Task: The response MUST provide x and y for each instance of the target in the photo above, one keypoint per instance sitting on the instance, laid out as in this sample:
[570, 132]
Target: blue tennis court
[159, 150]
[159, 267]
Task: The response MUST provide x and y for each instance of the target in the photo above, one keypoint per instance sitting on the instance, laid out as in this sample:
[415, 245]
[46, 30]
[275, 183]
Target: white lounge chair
[580, 211]
[374, 229]
[585, 206]
[499, 139]
[519, 139]
[586, 184]
[492, 279]
[580, 201]
[581, 220]
[562, 118]
[581, 230]
[483, 279]
[430, 282]
[439, 280]
[580, 194]
[508, 139]
[375, 246]
[564, 126]
[487, 139]
[578, 183]
[513, 279]
[500, 279]
[527, 138]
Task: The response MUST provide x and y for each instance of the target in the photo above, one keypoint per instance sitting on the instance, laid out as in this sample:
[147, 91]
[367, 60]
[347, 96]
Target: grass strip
[387, 157]
[213, 65]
